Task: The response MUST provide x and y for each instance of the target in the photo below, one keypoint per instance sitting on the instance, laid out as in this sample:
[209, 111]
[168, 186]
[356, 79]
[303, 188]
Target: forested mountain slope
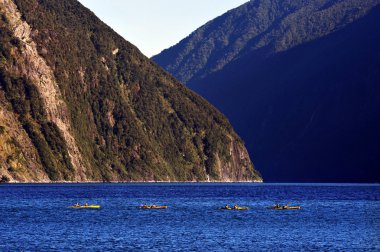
[301, 90]
[79, 103]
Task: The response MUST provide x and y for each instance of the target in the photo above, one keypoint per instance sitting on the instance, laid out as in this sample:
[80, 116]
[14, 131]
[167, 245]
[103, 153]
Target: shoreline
[131, 182]
[196, 182]
[185, 182]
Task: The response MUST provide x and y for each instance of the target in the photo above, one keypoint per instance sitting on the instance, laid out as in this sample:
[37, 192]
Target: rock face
[17, 153]
[32, 66]
[79, 103]
[298, 80]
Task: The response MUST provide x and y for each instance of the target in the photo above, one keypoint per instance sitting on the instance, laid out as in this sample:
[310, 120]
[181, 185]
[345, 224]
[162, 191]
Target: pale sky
[154, 25]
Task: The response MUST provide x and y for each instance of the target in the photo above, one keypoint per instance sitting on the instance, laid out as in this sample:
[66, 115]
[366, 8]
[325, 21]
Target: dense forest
[298, 81]
[81, 103]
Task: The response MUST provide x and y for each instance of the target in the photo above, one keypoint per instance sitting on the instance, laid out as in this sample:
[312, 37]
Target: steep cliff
[298, 80]
[79, 103]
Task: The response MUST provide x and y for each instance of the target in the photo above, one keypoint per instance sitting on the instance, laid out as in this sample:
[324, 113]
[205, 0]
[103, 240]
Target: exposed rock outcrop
[86, 105]
[33, 67]
[19, 159]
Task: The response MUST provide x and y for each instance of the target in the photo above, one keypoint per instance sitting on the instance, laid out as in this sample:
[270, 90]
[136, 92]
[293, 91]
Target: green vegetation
[26, 101]
[261, 28]
[130, 119]
[4, 179]
[44, 135]
[298, 79]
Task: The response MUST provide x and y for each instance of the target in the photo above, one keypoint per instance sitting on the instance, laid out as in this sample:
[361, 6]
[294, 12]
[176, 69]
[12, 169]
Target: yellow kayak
[234, 208]
[152, 207]
[85, 207]
[286, 207]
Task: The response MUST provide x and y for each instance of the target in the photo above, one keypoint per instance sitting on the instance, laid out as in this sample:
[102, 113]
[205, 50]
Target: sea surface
[334, 217]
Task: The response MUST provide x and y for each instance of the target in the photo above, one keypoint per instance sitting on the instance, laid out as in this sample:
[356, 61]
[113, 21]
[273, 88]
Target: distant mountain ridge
[79, 103]
[262, 26]
[301, 90]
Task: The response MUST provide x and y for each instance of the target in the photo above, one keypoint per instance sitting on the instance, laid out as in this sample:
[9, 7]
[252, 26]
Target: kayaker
[77, 204]
[227, 206]
[86, 204]
[236, 206]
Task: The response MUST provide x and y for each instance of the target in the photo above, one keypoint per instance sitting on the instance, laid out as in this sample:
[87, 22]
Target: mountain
[298, 80]
[79, 103]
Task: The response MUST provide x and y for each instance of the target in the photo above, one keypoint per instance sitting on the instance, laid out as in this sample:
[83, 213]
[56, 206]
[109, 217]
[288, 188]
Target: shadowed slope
[308, 112]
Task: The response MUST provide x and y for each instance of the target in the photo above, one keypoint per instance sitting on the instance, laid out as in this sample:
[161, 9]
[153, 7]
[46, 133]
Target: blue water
[334, 217]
